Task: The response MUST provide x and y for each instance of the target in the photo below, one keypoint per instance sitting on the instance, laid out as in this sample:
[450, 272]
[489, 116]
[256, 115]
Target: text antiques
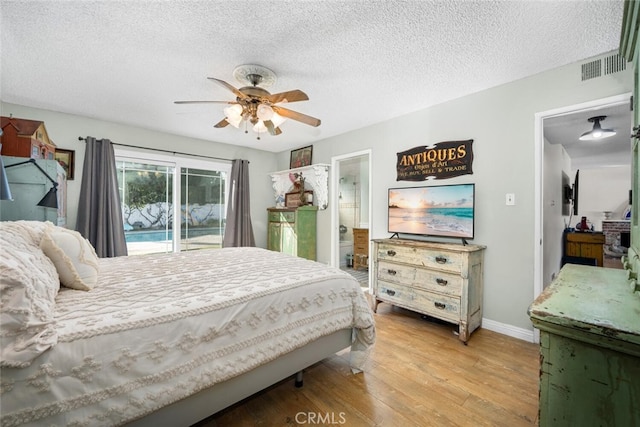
[442, 160]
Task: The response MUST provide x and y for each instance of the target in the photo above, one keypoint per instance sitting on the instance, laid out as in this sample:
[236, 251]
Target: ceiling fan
[255, 105]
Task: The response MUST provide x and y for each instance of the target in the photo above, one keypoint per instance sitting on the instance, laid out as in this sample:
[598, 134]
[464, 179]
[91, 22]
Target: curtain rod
[164, 151]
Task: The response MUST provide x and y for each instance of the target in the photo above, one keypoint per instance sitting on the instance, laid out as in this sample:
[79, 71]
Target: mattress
[158, 328]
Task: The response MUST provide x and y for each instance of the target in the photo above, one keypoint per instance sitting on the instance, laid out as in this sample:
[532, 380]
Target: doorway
[351, 214]
[547, 252]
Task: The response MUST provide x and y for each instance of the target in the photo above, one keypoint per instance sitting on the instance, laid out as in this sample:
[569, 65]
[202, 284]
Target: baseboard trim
[510, 330]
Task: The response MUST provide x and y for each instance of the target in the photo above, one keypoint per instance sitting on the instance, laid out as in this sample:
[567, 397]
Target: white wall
[556, 163]
[603, 189]
[501, 122]
[64, 130]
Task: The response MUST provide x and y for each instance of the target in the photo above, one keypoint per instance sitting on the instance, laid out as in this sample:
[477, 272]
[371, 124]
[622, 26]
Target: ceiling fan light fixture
[255, 106]
[233, 115]
[597, 132]
[259, 127]
[234, 121]
[277, 119]
[265, 112]
[234, 110]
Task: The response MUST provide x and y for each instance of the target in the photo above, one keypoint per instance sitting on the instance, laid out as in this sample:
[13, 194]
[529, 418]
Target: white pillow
[29, 284]
[74, 258]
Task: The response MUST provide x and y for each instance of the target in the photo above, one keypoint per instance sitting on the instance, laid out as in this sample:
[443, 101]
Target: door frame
[334, 203]
[539, 178]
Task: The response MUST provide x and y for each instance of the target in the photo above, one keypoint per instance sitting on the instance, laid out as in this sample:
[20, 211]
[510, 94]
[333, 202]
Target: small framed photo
[67, 159]
[292, 200]
[301, 157]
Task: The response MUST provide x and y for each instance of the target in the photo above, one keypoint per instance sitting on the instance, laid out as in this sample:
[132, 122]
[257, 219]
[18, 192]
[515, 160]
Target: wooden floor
[419, 374]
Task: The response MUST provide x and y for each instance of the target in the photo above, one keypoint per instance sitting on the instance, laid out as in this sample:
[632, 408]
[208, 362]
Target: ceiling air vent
[592, 69]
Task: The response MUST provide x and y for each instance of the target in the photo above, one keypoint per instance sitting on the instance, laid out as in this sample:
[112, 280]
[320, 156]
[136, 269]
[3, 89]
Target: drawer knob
[440, 305]
[441, 259]
[390, 292]
[391, 252]
[392, 272]
[441, 282]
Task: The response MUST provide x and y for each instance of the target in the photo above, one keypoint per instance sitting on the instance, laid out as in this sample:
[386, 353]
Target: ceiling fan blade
[222, 123]
[293, 115]
[204, 102]
[290, 96]
[235, 91]
[272, 130]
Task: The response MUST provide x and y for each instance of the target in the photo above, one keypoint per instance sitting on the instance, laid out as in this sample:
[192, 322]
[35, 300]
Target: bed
[160, 339]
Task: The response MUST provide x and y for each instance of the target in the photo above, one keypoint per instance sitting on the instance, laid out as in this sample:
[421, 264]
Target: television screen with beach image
[442, 210]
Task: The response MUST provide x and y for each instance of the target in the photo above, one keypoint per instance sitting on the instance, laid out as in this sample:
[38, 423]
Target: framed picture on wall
[66, 158]
[301, 157]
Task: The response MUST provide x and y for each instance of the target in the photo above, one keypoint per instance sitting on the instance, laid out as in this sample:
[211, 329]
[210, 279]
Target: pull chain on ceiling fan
[255, 105]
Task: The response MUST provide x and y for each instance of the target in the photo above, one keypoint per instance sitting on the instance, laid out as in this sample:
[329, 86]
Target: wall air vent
[592, 69]
[603, 66]
[614, 63]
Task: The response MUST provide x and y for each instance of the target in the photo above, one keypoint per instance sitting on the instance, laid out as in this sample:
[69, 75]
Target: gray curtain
[238, 230]
[99, 210]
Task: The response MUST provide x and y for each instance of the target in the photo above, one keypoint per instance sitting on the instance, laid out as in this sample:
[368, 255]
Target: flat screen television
[438, 210]
[576, 192]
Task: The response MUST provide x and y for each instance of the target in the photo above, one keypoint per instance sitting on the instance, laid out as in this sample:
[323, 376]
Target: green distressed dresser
[293, 231]
[589, 322]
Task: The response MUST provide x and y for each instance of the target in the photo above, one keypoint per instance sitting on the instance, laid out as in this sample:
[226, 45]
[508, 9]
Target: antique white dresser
[440, 280]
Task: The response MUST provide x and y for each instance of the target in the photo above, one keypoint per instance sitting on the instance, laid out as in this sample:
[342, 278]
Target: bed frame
[209, 401]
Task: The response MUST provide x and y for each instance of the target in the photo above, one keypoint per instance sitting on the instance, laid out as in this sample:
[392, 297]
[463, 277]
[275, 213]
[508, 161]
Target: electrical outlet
[510, 199]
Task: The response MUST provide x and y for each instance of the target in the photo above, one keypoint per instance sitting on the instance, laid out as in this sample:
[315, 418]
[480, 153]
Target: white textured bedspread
[158, 328]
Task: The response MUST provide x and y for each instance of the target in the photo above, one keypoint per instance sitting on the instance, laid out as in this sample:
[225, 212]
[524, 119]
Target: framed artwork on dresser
[292, 200]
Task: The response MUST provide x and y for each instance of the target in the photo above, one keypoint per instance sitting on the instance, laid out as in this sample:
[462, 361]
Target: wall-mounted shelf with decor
[316, 177]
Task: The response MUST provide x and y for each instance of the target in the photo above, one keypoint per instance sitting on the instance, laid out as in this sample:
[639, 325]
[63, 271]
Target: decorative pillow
[74, 258]
[29, 284]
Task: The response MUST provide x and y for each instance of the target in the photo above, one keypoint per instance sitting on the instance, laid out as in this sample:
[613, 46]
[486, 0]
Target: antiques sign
[442, 160]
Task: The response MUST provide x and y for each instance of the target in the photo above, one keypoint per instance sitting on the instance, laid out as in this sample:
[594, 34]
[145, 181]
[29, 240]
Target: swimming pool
[167, 235]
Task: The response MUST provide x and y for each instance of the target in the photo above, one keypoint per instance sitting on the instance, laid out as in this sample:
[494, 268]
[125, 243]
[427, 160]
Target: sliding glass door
[158, 200]
[146, 194]
[202, 208]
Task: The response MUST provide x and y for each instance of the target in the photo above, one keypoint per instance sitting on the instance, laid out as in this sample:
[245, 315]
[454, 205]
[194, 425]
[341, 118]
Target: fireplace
[616, 235]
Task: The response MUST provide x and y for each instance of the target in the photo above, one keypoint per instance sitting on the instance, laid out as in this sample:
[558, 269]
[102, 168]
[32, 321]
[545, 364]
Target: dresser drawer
[394, 293]
[360, 236]
[435, 281]
[284, 216]
[430, 258]
[398, 273]
[429, 303]
[429, 280]
[361, 243]
[361, 249]
[437, 305]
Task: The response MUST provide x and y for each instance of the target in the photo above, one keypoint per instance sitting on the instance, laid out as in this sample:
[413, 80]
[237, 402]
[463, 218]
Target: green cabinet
[589, 349]
[293, 231]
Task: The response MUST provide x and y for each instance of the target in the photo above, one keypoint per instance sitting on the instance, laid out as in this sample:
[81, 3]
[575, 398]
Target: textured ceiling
[360, 62]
